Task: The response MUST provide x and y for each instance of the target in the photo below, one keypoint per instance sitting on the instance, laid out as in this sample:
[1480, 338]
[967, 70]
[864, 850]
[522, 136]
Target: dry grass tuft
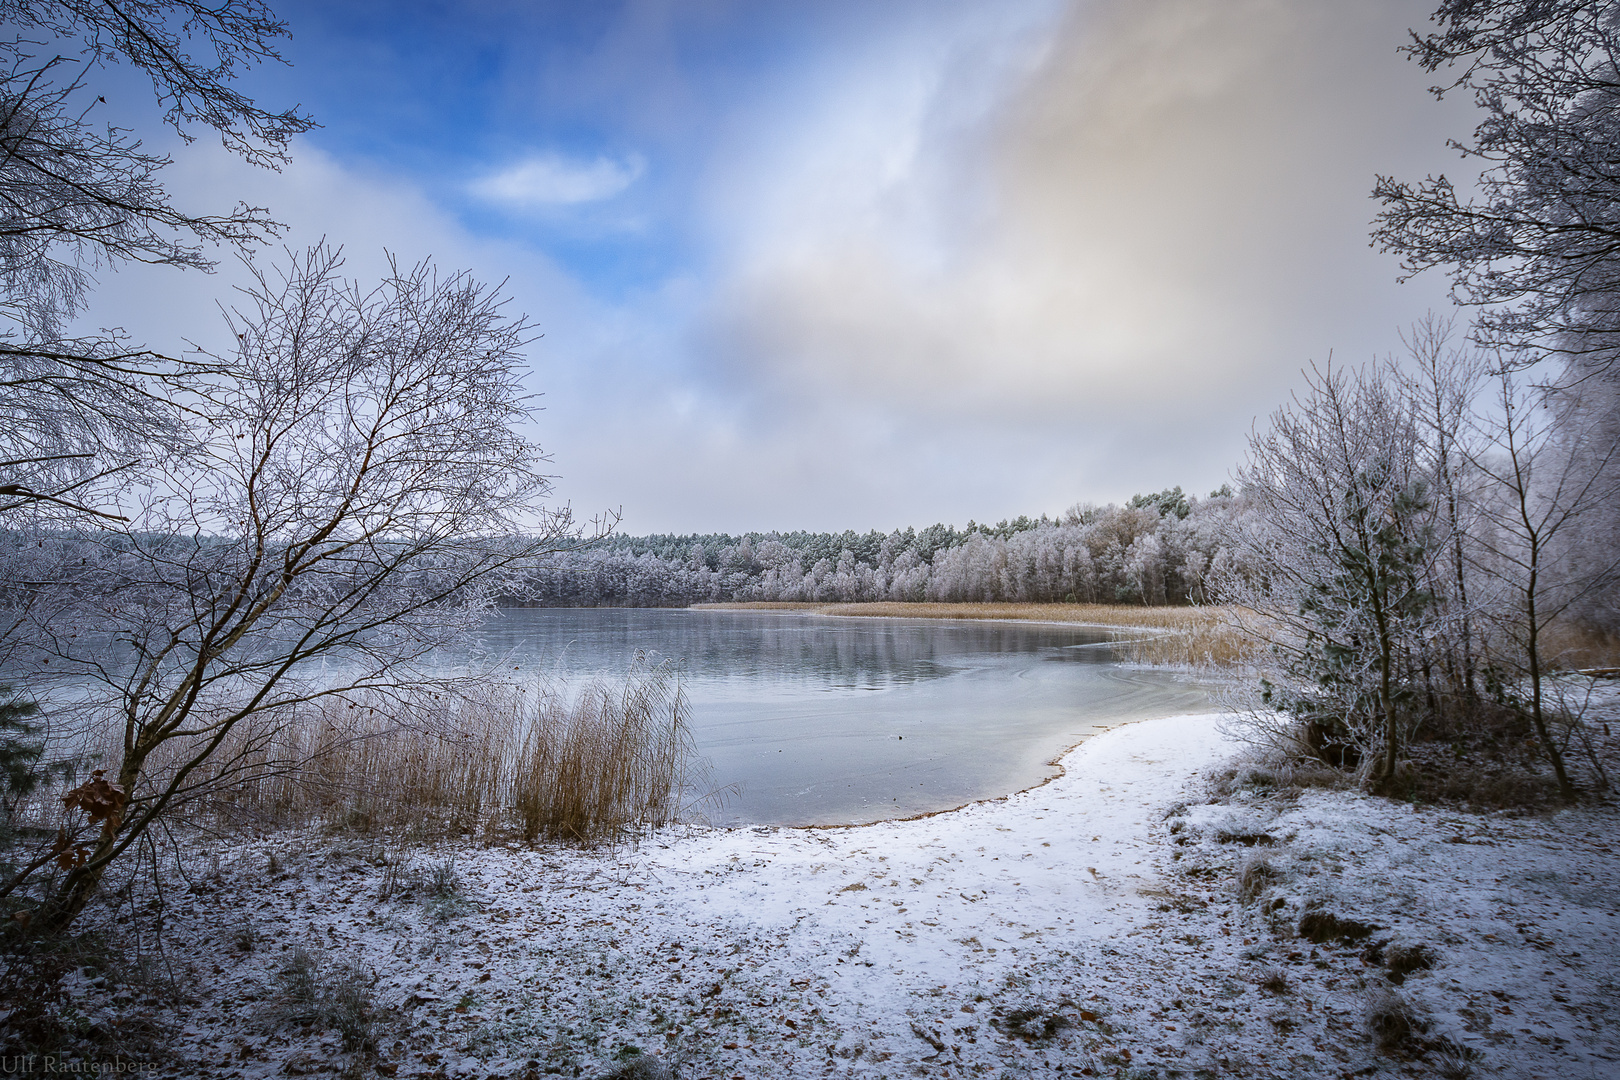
[1269, 772]
[529, 759]
[1255, 876]
[1454, 1061]
[332, 998]
[641, 1067]
[1273, 980]
[1403, 958]
[1322, 927]
[1190, 636]
[1389, 1019]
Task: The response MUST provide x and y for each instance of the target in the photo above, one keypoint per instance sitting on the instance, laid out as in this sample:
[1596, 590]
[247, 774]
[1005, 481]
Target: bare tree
[1536, 248]
[1440, 383]
[158, 37]
[360, 493]
[1538, 490]
[79, 419]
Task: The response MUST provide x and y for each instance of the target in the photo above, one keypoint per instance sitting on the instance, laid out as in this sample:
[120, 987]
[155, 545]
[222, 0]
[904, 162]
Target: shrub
[42, 1018]
[22, 751]
[21, 745]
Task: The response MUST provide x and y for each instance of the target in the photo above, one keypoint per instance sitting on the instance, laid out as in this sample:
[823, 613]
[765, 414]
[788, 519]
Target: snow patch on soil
[1116, 921]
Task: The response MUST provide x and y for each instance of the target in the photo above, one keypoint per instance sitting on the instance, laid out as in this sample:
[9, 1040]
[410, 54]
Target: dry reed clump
[1190, 636]
[527, 758]
[1573, 646]
[608, 761]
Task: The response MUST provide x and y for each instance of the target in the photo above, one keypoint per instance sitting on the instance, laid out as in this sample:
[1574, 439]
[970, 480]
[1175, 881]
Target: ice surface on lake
[822, 720]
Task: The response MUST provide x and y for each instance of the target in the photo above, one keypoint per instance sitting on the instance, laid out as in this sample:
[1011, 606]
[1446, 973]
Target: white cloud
[553, 180]
[582, 366]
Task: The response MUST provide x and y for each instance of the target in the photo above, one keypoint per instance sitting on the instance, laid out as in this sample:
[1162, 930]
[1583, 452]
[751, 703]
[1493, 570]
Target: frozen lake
[833, 720]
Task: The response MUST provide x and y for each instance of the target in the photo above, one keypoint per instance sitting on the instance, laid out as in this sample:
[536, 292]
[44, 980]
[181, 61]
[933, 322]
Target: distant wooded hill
[1156, 549]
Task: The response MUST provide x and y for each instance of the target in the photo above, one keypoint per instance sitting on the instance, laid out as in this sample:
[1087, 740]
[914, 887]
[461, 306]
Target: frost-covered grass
[1116, 920]
[1188, 636]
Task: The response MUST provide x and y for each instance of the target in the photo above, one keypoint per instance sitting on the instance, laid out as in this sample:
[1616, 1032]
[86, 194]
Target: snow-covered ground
[1091, 926]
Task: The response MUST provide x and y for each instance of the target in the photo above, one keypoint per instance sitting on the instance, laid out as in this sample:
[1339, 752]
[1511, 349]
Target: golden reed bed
[1193, 636]
[1201, 637]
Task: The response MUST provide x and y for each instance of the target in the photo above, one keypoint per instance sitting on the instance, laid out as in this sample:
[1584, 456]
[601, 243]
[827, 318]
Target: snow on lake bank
[1091, 926]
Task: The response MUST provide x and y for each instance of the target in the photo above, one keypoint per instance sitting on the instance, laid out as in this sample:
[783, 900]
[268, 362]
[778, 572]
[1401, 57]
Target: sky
[832, 264]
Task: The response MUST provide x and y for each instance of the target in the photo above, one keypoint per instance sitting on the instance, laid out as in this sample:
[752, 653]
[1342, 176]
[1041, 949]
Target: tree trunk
[81, 883]
[1385, 779]
[75, 892]
[1392, 730]
[1566, 787]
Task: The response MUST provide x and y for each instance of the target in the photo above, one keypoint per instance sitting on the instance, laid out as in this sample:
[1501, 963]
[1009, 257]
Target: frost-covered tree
[1334, 561]
[1537, 248]
[360, 494]
[1440, 382]
[1535, 493]
[78, 194]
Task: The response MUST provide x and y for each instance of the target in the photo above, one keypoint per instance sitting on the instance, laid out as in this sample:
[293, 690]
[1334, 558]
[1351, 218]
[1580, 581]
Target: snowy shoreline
[1088, 926]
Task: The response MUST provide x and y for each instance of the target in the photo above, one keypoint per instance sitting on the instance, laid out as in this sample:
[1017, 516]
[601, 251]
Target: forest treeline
[1156, 549]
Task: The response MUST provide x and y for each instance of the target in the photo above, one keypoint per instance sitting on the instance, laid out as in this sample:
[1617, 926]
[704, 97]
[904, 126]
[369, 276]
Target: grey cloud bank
[987, 269]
